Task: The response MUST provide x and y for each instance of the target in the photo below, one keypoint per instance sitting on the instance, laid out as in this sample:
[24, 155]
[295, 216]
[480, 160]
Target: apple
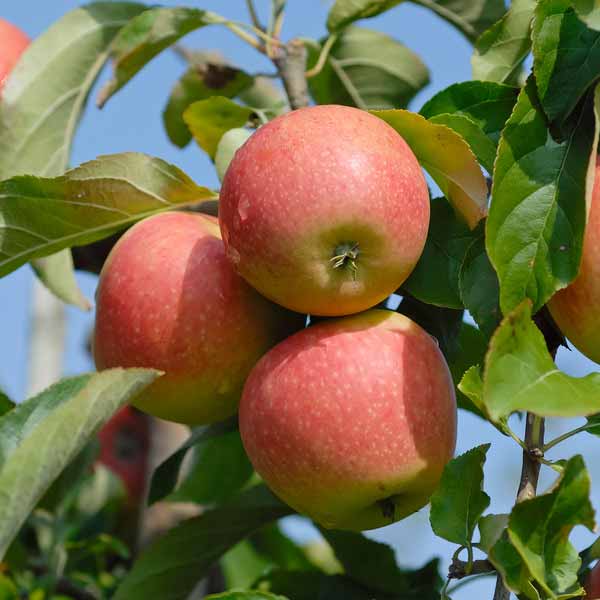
[592, 584]
[325, 210]
[575, 308]
[227, 147]
[12, 44]
[351, 421]
[168, 298]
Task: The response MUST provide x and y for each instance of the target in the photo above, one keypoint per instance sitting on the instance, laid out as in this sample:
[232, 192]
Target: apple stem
[345, 255]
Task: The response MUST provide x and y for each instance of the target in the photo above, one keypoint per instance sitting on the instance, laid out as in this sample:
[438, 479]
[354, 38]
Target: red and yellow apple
[12, 44]
[592, 584]
[576, 308]
[168, 298]
[352, 420]
[325, 210]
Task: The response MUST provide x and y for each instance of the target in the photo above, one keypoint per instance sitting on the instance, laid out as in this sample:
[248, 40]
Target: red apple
[325, 210]
[12, 44]
[351, 421]
[168, 298]
[575, 308]
[592, 584]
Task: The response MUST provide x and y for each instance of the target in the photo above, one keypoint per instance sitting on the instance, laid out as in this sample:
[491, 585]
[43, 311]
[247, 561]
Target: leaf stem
[253, 15]
[567, 435]
[322, 56]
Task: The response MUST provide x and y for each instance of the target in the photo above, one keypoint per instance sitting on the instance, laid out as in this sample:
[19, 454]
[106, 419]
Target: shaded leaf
[210, 119]
[459, 500]
[434, 279]
[447, 158]
[491, 528]
[249, 595]
[504, 46]
[39, 216]
[42, 103]
[368, 69]
[566, 57]
[521, 375]
[589, 12]
[165, 476]
[6, 404]
[40, 437]
[172, 566]
[147, 35]
[200, 82]
[270, 542]
[537, 216]
[509, 564]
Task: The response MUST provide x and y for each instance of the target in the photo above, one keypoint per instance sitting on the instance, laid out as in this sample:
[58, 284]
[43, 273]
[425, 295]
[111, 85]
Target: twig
[568, 434]
[253, 15]
[291, 64]
[322, 56]
[460, 568]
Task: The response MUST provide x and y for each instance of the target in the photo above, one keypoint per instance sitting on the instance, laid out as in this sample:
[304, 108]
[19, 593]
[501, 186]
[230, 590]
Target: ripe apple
[169, 298]
[575, 308]
[12, 44]
[592, 584]
[352, 420]
[325, 210]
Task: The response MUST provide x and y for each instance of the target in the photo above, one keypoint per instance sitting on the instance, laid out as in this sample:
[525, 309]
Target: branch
[291, 64]
[460, 568]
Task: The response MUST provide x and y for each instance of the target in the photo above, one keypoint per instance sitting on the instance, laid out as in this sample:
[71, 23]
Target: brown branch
[459, 568]
[291, 65]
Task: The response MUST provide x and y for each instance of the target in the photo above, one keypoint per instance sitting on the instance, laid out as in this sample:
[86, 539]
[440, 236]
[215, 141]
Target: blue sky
[132, 122]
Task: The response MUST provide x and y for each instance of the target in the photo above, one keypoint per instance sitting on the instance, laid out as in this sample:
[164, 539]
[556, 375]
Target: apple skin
[576, 307]
[169, 299]
[13, 42]
[314, 184]
[352, 420]
[592, 584]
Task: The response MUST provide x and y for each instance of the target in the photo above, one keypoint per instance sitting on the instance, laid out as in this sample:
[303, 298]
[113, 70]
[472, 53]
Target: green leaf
[479, 290]
[459, 501]
[220, 469]
[251, 595]
[200, 82]
[447, 158]
[243, 565]
[8, 590]
[271, 543]
[172, 566]
[471, 17]
[367, 69]
[589, 12]
[165, 476]
[594, 423]
[539, 530]
[42, 103]
[566, 57]
[147, 35]
[39, 216]
[210, 119]
[501, 49]
[41, 436]
[434, 279]
[509, 564]
[537, 216]
[491, 528]
[521, 375]
[6, 404]
[265, 95]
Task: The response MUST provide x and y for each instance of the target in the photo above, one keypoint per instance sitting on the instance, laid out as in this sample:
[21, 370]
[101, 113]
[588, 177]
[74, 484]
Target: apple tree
[469, 232]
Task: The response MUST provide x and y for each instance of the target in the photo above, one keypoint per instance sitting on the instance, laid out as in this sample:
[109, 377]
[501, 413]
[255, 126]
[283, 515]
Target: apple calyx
[345, 255]
[388, 507]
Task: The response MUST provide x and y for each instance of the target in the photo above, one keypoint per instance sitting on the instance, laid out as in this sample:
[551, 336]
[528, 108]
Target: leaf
[491, 528]
[459, 501]
[471, 17]
[250, 595]
[368, 69]
[501, 49]
[434, 279]
[243, 565]
[147, 35]
[537, 216]
[539, 530]
[447, 158]
[40, 437]
[566, 57]
[589, 12]
[200, 82]
[270, 542]
[42, 103]
[478, 285]
[509, 564]
[172, 566]
[39, 216]
[521, 375]
[6, 404]
[165, 476]
[220, 469]
[210, 119]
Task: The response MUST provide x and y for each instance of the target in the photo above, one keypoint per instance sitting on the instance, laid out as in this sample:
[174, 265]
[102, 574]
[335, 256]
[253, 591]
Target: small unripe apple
[352, 420]
[592, 584]
[168, 298]
[228, 146]
[325, 210]
[13, 42]
[576, 308]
